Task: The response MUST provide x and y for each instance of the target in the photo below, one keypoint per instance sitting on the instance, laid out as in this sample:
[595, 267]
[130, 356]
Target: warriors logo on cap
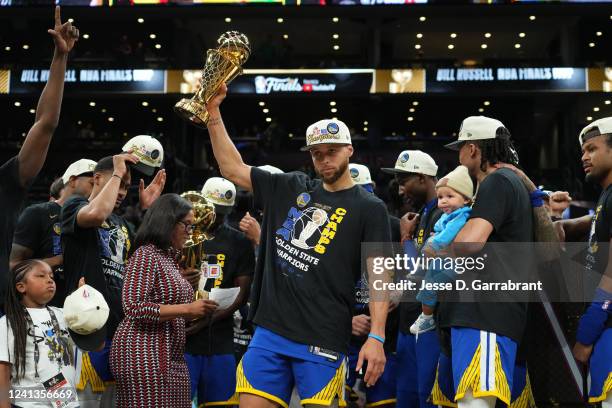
[327, 131]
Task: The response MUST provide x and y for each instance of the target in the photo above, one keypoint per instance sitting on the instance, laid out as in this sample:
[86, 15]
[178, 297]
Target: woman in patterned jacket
[147, 354]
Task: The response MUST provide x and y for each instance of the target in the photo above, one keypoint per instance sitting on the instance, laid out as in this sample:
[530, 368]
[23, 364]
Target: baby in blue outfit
[455, 192]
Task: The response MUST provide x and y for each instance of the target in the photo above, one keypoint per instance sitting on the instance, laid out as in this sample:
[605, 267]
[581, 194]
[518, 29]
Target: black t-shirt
[229, 255]
[429, 215]
[304, 285]
[596, 258]
[99, 254]
[503, 201]
[39, 229]
[12, 195]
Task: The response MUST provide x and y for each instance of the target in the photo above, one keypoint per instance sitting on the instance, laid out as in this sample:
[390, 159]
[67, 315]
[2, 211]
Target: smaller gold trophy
[192, 255]
[223, 64]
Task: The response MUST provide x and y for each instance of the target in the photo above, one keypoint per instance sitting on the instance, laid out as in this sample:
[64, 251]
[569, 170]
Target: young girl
[37, 355]
[455, 192]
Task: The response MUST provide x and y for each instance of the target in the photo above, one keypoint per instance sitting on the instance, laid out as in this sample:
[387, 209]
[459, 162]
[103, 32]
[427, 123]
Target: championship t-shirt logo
[310, 221]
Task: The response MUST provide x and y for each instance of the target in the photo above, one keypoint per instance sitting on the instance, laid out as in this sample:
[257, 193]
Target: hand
[55, 261]
[531, 187]
[192, 276]
[200, 308]
[64, 35]
[148, 195]
[196, 326]
[559, 201]
[119, 163]
[216, 100]
[361, 325]
[408, 224]
[251, 228]
[374, 353]
[582, 353]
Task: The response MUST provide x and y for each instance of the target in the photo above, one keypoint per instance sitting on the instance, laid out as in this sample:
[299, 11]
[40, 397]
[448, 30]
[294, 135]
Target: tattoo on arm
[214, 121]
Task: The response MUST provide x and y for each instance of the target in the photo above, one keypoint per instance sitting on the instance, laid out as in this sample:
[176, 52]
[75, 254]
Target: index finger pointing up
[58, 19]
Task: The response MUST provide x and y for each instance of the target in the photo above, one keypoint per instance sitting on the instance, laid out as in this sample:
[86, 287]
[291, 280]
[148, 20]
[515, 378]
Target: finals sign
[506, 79]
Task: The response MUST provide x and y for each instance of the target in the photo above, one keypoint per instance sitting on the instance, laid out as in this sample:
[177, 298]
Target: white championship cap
[327, 131]
[478, 128]
[86, 313]
[220, 192]
[148, 150]
[360, 174]
[599, 127]
[79, 168]
[270, 169]
[413, 161]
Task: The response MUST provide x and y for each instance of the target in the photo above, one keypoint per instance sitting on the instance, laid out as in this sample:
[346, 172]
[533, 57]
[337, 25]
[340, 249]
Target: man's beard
[593, 177]
[336, 175]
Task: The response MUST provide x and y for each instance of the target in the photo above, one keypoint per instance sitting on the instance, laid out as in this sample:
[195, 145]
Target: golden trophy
[192, 255]
[223, 64]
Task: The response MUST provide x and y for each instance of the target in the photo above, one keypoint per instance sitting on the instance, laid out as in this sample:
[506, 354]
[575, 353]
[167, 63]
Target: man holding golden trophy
[302, 297]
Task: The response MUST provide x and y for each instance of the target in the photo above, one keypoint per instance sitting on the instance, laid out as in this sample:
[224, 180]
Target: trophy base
[200, 294]
[193, 111]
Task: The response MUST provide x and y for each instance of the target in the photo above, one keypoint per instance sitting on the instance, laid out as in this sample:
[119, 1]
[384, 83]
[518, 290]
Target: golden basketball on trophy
[223, 64]
[193, 256]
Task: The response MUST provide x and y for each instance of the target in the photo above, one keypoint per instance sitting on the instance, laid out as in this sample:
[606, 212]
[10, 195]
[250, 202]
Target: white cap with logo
[79, 168]
[325, 131]
[270, 169]
[149, 152]
[220, 192]
[599, 127]
[413, 161]
[86, 313]
[478, 128]
[360, 174]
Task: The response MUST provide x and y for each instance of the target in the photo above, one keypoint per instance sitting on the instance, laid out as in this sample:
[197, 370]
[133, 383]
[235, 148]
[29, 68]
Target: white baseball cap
[360, 174]
[327, 131]
[79, 168]
[270, 169]
[220, 192]
[86, 313]
[148, 150]
[413, 161]
[478, 128]
[599, 127]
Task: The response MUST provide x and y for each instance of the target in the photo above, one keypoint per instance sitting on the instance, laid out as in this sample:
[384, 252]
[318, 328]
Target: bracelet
[536, 198]
[116, 175]
[376, 337]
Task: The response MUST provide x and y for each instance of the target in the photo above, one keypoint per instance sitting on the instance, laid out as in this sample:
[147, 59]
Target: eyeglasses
[188, 227]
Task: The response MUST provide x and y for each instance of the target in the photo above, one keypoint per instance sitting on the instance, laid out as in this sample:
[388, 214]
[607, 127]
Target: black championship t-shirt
[39, 229]
[596, 258]
[304, 287]
[99, 254]
[229, 255]
[12, 195]
[503, 201]
[429, 215]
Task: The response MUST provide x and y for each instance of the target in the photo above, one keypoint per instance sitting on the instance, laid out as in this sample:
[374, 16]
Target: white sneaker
[423, 324]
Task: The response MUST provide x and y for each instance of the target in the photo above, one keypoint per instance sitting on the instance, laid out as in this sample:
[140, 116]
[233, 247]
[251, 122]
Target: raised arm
[228, 157]
[101, 207]
[34, 150]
